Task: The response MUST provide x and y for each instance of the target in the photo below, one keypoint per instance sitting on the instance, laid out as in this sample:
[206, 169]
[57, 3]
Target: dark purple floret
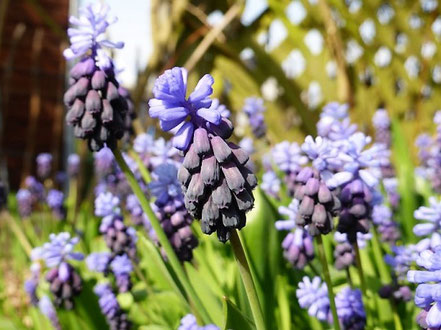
[65, 284]
[356, 208]
[318, 204]
[395, 292]
[122, 267]
[55, 200]
[217, 184]
[119, 238]
[96, 109]
[344, 256]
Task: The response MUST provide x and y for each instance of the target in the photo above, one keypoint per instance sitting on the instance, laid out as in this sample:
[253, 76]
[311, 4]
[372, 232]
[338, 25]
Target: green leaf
[405, 174]
[262, 245]
[234, 319]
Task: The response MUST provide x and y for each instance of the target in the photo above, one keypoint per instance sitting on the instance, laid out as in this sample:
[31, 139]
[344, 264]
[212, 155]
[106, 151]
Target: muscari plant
[320, 241]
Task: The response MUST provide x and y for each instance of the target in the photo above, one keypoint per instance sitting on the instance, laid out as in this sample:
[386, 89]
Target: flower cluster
[313, 296]
[115, 316]
[297, 246]
[215, 178]
[170, 209]
[427, 292]
[350, 309]
[97, 108]
[65, 282]
[254, 109]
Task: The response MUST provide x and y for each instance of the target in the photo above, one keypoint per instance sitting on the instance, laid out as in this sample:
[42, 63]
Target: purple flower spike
[381, 123]
[430, 214]
[334, 122]
[254, 109]
[107, 204]
[111, 309]
[122, 267]
[172, 107]
[288, 157]
[44, 165]
[313, 296]
[165, 186]
[188, 322]
[98, 261]
[73, 165]
[350, 309]
[429, 285]
[47, 309]
[271, 184]
[98, 107]
[60, 249]
[215, 175]
[89, 35]
[24, 201]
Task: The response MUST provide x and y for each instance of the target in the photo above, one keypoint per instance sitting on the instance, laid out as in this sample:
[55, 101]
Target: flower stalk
[163, 240]
[247, 279]
[328, 281]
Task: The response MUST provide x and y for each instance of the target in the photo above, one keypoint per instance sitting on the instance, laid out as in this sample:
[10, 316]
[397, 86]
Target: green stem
[379, 258]
[21, 237]
[328, 281]
[348, 276]
[163, 240]
[247, 279]
[72, 201]
[362, 282]
[144, 172]
[397, 320]
[360, 268]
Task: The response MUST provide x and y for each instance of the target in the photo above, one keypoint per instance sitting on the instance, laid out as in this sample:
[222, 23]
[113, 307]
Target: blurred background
[297, 55]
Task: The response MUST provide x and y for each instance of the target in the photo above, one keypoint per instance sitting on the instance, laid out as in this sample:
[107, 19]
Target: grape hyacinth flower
[215, 179]
[350, 309]
[65, 283]
[24, 201]
[318, 204]
[388, 229]
[119, 238]
[254, 109]
[73, 165]
[298, 247]
[170, 209]
[334, 122]
[44, 165]
[402, 259]
[427, 291]
[188, 322]
[431, 214]
[48, 310]
[104, 162]
[115, 316]
[358, 180]
[106, 204]
[98, 261]
[313, 296]
[391, 188]
[344, 256]
[122, 267]
[381, 123]
[36, 189]
[271, 184]
[55, 200]
[396, 292]
[97, 110]
[289, 159]
[31, 284]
